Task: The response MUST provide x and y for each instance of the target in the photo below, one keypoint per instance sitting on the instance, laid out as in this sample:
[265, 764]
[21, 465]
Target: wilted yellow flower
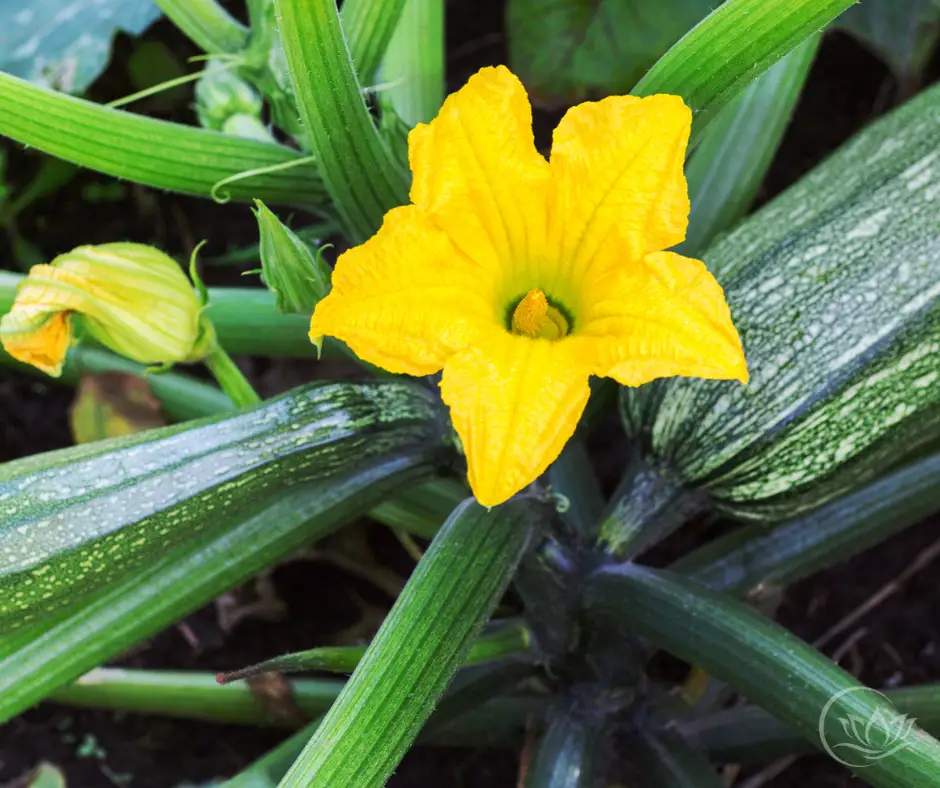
[521, 277]
[130, 297]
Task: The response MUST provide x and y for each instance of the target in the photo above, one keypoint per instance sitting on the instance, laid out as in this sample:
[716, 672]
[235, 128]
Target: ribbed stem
[207, 24]
[362, 176]
[413, 68]
[369, 27]
[412, 658]
[230, 378]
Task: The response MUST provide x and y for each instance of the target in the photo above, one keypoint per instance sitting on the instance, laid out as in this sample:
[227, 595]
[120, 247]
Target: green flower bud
[298, 277]
[225, 102]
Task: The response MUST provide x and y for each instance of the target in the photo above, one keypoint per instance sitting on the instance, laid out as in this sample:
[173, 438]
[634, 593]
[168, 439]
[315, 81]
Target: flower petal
[407, 299]
[514, 402]
[617, 165]
[666, 316]
[40, 338]
[478, 174]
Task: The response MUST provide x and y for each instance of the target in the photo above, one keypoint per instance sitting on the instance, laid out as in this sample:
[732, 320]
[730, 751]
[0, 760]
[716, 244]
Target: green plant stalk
[572, 476]
[197, 695]
[190, 695]
[735, 152]
[413, 68]
[421, 510]
[409, 664]
[369, 28]
[668, 761]
[567, 753]
[760, 659]
[738, 41]
[649, 504]
[181, 397]
[230, 378]
[38, 660]
[155, 152]
[267, 771]
[206, 24]
[509, 639]
[747, 734]
[361, 175]
[753, 556]
[473, 691]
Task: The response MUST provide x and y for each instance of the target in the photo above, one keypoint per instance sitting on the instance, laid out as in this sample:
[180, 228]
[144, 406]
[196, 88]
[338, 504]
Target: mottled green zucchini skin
[74, 520]
[835, 288]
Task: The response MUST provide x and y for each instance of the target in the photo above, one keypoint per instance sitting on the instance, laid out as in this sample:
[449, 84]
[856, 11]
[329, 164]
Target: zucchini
[835, 289]
[75, 520]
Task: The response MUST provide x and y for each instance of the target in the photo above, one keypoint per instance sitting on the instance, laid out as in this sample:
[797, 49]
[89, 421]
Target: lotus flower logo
[857, 741]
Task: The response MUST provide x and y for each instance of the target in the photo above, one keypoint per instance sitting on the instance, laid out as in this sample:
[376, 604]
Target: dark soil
[898, 643]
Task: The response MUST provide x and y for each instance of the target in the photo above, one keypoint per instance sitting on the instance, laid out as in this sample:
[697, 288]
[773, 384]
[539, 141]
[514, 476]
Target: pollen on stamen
[531, 314]
[536, 318]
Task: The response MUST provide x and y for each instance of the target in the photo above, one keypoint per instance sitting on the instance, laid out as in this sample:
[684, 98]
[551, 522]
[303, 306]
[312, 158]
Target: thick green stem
[412, 658]
[207, 24]
[649, 505]
[361, 174]
[413, 68]
[230, 378]
[369, 26]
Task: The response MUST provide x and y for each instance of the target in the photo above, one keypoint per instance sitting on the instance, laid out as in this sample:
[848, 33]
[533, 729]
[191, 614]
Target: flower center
[534, 317]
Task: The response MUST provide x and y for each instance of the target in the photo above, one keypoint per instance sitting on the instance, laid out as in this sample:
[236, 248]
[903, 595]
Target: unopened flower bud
[227, 103]
[131, 298]
[289, 267]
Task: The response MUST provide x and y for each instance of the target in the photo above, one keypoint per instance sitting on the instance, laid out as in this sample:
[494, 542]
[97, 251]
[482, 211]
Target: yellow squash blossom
[521, 277]
[130, 297]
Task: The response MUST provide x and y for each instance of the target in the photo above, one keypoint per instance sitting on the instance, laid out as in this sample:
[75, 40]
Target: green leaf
[369, 27]
[412, 659]
[736, 150]
[362, 176]
[207, 24]
[734, 44]
[413, 67]
[903, 33]
[154, 152]
[744, 734]
[567, 50]
[65, 44]
[37, 660]
[753, 556]
[764, 662]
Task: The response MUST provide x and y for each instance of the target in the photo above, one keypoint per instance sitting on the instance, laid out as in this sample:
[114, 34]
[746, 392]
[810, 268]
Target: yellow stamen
[534, 317]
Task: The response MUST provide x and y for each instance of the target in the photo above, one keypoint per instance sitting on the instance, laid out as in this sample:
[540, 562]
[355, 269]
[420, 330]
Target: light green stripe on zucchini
[78, 519]
[835, 289]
